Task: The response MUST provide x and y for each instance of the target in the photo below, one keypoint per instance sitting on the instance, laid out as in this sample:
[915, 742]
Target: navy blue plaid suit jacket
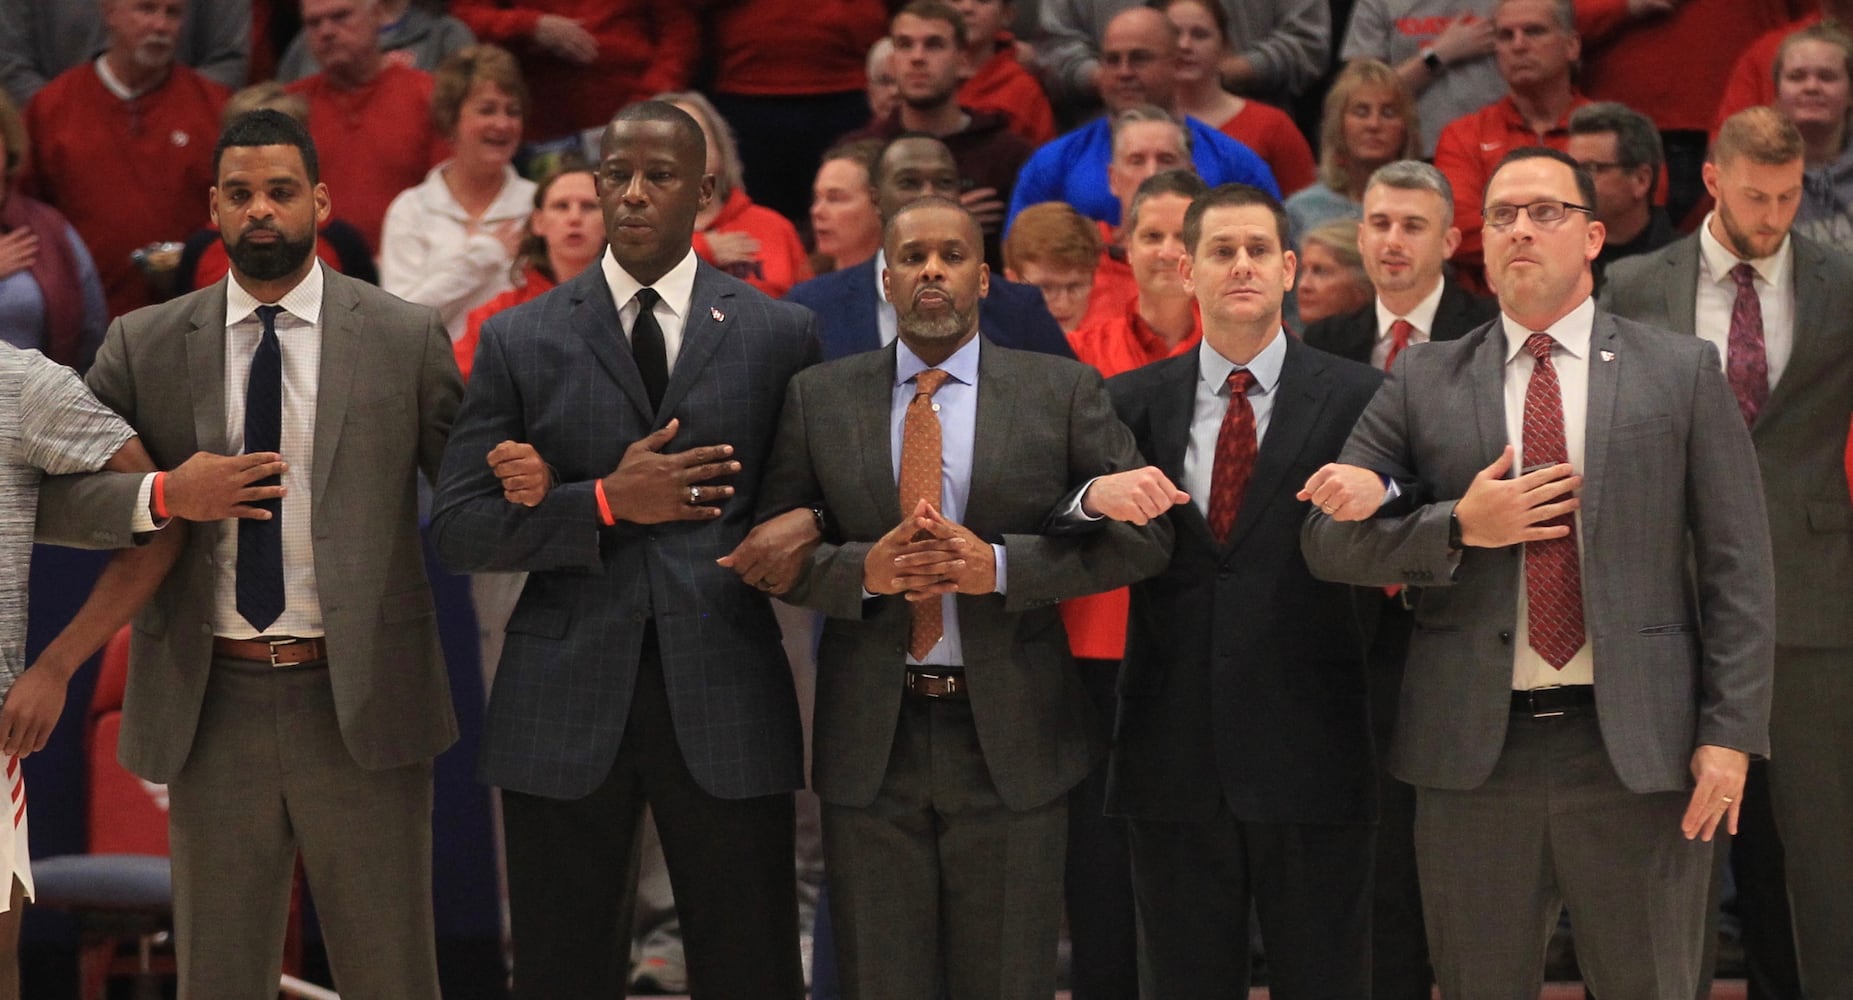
[557, 373]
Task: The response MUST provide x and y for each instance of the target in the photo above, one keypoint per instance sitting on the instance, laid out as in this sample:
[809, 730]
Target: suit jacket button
[1505, 637]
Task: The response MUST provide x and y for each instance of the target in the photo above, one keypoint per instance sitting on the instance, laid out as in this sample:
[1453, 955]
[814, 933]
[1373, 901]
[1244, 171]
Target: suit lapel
[1298, 396]
[702, 331]
[1604, 378]
[1488, 378]
[1680, 282]
[341, 340]
[1173, 408]
[206, 372]
[874, 402]
[595, 321]
[1810, 324]
[991, 429]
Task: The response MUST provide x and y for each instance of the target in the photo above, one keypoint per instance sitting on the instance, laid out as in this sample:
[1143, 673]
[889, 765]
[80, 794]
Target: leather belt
[1548, 702]
[284, 651]
[936, 685]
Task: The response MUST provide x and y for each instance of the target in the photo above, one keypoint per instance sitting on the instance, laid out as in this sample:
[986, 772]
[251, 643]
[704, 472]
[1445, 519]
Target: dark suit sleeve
[440, 390]
[1735, 568]
[1391, 548]
[1043, 569]
[474, 528]
[831, 581]
[95, 510]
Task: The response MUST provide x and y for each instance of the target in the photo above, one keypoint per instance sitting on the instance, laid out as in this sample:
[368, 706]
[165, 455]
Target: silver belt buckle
[274, 643]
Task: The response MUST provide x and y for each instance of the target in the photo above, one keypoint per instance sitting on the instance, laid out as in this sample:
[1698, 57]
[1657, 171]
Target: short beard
[950, 325]
[929, 102]
[268, 263]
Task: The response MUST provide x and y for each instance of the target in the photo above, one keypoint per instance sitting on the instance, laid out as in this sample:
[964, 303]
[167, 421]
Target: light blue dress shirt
[1213, 402]
[956, 403]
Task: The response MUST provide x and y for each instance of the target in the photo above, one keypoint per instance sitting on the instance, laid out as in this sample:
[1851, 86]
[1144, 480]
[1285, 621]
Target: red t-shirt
[534, 285]
[794, 47]
[1671, 68]
[1002, 85]
[125, 173]
[1114, 285]
[782, 261]
[1752, 81]
[1275, 138]
[374, 141]
[1119, 343]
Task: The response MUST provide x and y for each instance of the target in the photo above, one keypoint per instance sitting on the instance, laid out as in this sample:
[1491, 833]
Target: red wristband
[604, 506]
[160, 495]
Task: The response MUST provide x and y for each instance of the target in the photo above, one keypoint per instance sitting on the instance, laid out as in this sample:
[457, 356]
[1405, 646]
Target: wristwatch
[1432, 60]
[1454, 532]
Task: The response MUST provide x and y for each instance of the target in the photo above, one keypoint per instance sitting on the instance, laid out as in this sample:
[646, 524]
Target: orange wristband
[160, 495]
[604, 506]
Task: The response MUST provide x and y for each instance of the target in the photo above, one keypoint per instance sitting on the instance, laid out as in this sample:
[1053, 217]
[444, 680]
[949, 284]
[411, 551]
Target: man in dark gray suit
[636, 669]
[1776, 307]
[1573, 736]
[950, 719]
[286, 681]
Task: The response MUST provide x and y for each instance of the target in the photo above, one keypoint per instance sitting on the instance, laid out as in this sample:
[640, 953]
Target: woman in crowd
[1331, 279]
[845, 223]
[1369, 120]
[1812, 70]
[749, 241]
[447, 243]
[50, 298]
[1203, 40]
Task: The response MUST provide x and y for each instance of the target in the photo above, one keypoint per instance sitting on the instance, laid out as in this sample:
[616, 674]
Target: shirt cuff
[1002, 575]
[142, 521]
[1391, 490]
[1075, 510]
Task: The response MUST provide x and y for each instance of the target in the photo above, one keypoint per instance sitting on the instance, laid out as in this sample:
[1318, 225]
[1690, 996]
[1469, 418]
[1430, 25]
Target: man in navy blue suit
[852, 315]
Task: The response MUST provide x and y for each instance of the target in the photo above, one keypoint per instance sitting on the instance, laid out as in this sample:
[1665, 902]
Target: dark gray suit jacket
[1670, 485]
[1800, 434]
[556, 373]
[1044, 427]
[1354, 334]
[387, 393]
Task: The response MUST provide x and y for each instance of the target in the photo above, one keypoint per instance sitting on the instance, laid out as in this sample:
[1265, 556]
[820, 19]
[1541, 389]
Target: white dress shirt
[299, 334]
[1571, 360]
[1775, 289]
[675, 289]
[1422, 317]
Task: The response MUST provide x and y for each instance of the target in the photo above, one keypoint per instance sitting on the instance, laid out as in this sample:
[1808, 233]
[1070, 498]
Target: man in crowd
[40, 39]
[1620, 148]
[1775, 307]
[637, 670]
[853, 311]
[1138, 52]
[1405, 238]
[1574, 493]
[123, 145]
[951, 722]
[376, 110]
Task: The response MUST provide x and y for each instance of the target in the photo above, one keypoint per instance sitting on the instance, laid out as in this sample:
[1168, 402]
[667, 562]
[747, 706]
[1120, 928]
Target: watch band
[1432, 60]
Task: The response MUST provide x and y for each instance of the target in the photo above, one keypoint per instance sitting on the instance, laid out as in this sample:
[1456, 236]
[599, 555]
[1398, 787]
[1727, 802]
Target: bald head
[1138, 60]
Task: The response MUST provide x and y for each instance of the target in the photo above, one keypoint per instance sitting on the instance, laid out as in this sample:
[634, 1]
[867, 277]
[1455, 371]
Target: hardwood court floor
[1730, 989]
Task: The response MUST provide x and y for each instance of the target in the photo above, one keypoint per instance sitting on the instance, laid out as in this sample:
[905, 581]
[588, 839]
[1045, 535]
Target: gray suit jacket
[1677, 591]
[1044, 427]
[1800, 434]
[388, 390]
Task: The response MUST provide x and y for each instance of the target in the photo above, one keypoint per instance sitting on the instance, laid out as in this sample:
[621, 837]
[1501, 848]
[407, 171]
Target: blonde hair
[1334, 160]
[267, 95]
[462, 70]
[1763, 134]
[1052, 234]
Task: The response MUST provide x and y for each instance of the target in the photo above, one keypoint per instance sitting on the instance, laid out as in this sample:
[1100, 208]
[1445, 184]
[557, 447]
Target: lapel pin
[1608, 355]
[716, 313]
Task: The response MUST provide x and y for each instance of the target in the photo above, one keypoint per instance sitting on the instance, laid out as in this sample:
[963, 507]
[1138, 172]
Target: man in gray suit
[951, 721]
[1776, 308]
[1573, 736]
[286, 680]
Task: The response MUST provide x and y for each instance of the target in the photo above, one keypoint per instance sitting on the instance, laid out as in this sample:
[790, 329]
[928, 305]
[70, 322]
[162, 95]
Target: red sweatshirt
[794, 47]
[1671, 68]
[1002, 85]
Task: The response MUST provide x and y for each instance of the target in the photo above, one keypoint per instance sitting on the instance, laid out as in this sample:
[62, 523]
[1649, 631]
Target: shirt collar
[963, 365]
[676, 287]
[303, 302]
[113, 83]
[1215, 369]
[1572, 332]
[1719, 260]
[1422, 317]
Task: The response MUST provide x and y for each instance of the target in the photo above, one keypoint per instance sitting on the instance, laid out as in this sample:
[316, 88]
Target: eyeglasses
[1544, 213]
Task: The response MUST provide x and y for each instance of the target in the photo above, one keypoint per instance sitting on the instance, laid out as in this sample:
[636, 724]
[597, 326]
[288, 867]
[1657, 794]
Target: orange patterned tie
[920, 480]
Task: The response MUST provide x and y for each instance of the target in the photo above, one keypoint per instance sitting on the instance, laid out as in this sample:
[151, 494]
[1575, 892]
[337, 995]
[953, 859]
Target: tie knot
[267, 315]
[1539, 345]
[648, 298]
[1744, 275]
[1239, 381]
[928, 382]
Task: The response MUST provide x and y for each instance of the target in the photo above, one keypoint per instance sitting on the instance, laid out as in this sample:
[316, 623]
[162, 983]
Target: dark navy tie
[260, 543]
[648, 348]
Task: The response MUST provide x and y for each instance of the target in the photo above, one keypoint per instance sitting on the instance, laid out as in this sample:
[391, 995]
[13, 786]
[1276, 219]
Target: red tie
[1400, 332]
[1746, 363]
[920, 480]
[1235, 456]
[1553, 570]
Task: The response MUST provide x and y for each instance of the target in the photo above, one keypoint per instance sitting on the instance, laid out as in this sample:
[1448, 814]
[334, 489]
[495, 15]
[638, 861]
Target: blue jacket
[1073, 168]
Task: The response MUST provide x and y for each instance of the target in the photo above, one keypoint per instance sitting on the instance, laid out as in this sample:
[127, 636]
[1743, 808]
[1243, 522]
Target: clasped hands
[927, 555]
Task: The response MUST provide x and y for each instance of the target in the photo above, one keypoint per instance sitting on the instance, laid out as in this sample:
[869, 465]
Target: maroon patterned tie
[1553, 570]
[920, 480]
[1399, 339]
[1235, 456]
[1746, 362]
